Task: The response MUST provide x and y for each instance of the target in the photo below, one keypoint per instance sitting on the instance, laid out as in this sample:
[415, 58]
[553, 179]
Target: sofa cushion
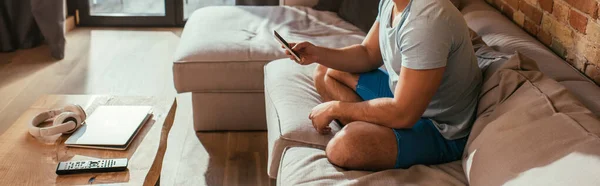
[503, 35]
[529, 125]
[309, 166]
[290, 96]
[224, 48]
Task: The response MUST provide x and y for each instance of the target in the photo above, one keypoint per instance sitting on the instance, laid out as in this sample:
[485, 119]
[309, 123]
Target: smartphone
[286, 45]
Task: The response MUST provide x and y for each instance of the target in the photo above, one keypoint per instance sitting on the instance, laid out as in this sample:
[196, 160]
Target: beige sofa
[224, 49]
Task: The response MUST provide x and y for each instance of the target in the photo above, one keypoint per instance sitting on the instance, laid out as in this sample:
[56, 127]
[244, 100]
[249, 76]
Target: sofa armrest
[309, 3]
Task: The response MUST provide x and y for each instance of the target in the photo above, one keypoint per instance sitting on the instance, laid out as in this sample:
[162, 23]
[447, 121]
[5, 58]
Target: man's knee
[320, 73]
[348, 79]
[342, 149]
[335, 74]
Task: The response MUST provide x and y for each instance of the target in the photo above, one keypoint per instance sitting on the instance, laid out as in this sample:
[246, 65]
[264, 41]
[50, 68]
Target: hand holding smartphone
[286, 46]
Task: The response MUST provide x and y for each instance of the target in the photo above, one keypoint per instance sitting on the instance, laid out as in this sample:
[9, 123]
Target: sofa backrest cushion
[530, 129]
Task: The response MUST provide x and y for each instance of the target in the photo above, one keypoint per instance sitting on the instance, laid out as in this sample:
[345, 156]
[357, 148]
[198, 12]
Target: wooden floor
[134, 62]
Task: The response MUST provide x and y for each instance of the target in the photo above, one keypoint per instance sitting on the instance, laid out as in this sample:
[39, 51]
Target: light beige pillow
[531, 131]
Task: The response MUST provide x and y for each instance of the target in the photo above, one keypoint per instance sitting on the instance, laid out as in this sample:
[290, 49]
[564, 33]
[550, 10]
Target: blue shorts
[421, 144]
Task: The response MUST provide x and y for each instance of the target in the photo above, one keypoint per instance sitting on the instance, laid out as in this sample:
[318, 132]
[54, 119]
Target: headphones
[66, 121]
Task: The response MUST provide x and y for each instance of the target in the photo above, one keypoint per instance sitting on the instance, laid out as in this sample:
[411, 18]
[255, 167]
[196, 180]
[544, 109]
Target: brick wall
[571, 28]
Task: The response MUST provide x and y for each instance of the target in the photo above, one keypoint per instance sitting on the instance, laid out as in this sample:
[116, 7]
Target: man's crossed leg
[359, 145]
[366, 146]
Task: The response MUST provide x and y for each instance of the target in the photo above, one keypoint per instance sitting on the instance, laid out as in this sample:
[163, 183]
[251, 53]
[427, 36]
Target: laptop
[110, 127]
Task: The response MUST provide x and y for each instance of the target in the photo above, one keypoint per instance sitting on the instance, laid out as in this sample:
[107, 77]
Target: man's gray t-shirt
[431, 34]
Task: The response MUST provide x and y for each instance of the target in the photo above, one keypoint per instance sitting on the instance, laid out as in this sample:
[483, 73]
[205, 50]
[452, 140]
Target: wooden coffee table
[26, 160]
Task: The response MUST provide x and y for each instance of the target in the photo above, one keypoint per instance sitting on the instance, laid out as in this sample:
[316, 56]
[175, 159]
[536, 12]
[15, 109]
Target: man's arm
[413, 93]
[354, 59]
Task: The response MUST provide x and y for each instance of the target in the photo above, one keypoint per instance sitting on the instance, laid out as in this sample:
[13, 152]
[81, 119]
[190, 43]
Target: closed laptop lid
[110, 125]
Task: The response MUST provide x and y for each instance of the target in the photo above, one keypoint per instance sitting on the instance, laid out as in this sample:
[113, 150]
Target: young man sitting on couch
[418, 108]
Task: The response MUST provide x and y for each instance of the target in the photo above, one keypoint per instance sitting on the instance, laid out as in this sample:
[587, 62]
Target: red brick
[587, 6]
[532, 2]
[563, 33]
[504, 8]
[531, 12]
[546, 5]
[498, 4]
[519, 18]
[531, 27]
[578, 21]
[545, 38]
[592, 53]
[561, 12]
[513, 3]
[547, 22]
[593, 32]
[508, 11]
